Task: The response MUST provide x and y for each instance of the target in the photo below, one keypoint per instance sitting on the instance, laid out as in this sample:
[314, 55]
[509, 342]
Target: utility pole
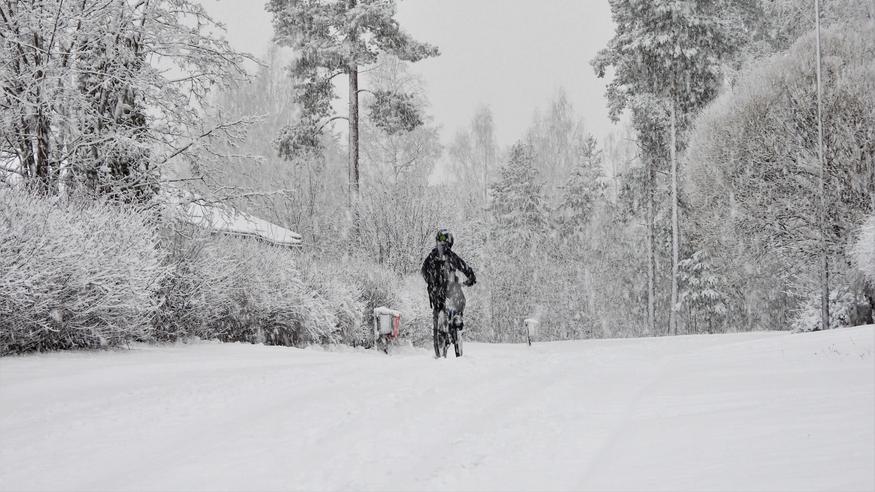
[824, 257]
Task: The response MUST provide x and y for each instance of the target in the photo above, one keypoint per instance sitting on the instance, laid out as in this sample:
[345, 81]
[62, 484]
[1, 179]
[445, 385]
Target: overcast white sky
[510, 54]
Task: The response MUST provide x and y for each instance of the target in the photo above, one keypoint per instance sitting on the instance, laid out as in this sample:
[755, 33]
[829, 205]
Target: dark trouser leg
[437, 340]
[458, 324]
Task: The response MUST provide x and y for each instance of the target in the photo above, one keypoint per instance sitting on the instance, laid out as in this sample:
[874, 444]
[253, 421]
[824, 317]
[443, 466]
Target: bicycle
[449, 327]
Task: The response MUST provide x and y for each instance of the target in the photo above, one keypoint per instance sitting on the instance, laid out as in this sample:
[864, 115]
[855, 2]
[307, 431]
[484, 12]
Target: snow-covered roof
[235, 222]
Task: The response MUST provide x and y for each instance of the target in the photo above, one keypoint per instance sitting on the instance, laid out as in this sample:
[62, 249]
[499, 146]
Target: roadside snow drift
[758, 411]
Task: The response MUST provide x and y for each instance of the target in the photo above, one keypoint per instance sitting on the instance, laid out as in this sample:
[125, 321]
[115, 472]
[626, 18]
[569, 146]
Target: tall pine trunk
[673, 321]
[353, 131]
[353, 120]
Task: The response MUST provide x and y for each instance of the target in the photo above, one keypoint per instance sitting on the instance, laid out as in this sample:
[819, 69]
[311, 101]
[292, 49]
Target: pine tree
[340, 37]
[666, 53]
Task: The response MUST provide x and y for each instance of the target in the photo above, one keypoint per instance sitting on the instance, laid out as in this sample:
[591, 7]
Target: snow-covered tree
[101, 95]
[666, 53]
[306, 194]
[558, 138]
[584, 189]
[702, 292]
[394, 155]
[517, 203]
[341, 37]
[516, 234]
[753, 167]
[473, 159]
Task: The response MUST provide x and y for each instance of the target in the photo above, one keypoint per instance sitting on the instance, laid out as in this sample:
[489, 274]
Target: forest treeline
[698, 214]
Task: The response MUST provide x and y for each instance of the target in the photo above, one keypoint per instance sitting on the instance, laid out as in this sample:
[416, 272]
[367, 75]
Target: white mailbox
[386, 321]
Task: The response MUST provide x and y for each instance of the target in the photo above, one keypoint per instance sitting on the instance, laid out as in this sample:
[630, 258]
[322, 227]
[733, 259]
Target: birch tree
[473, 158]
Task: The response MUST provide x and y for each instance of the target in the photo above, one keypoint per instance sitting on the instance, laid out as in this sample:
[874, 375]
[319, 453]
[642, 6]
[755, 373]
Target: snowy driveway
[760, 411]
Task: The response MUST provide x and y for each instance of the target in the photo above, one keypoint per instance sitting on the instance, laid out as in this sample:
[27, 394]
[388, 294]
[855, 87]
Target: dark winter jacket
[439, 271]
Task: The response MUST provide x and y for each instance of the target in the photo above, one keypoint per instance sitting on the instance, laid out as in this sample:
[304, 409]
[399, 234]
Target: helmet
[444, 236]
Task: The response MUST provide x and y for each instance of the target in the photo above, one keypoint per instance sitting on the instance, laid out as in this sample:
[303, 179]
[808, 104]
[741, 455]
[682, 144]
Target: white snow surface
[235, 222]
[754, 411]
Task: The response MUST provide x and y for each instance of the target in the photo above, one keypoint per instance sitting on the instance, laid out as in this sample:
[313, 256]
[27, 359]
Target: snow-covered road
[759, 411]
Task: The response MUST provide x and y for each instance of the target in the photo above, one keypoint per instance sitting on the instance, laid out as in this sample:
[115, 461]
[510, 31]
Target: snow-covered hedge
[74, 273]
[80, 274]
[242, 290]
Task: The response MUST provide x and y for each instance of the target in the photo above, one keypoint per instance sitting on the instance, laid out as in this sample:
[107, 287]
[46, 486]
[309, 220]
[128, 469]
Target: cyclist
[439, 271]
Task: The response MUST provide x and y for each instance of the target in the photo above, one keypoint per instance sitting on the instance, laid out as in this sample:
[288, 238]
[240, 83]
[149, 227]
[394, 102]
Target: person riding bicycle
[439, 271]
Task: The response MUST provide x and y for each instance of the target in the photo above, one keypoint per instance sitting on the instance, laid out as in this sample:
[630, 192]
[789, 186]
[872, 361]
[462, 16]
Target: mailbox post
[531, 329]
[387, 324]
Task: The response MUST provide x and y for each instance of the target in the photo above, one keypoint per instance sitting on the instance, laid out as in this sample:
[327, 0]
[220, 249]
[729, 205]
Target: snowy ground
[760, 411]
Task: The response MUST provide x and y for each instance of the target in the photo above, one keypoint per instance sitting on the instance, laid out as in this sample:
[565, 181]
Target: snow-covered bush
[416, 320]
[373, 284]
[354, 287]
[847, 307]
[74, 273]
[864, 250]
[239, 289]
[343, 298]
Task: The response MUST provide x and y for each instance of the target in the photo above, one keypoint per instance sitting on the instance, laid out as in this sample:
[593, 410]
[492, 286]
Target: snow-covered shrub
[195, 293]
[343, 298]
[374, 284]
[846, 308]
[74, 273]
[864, 250]
[354, 287]
[239, 289]
[416, 318]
